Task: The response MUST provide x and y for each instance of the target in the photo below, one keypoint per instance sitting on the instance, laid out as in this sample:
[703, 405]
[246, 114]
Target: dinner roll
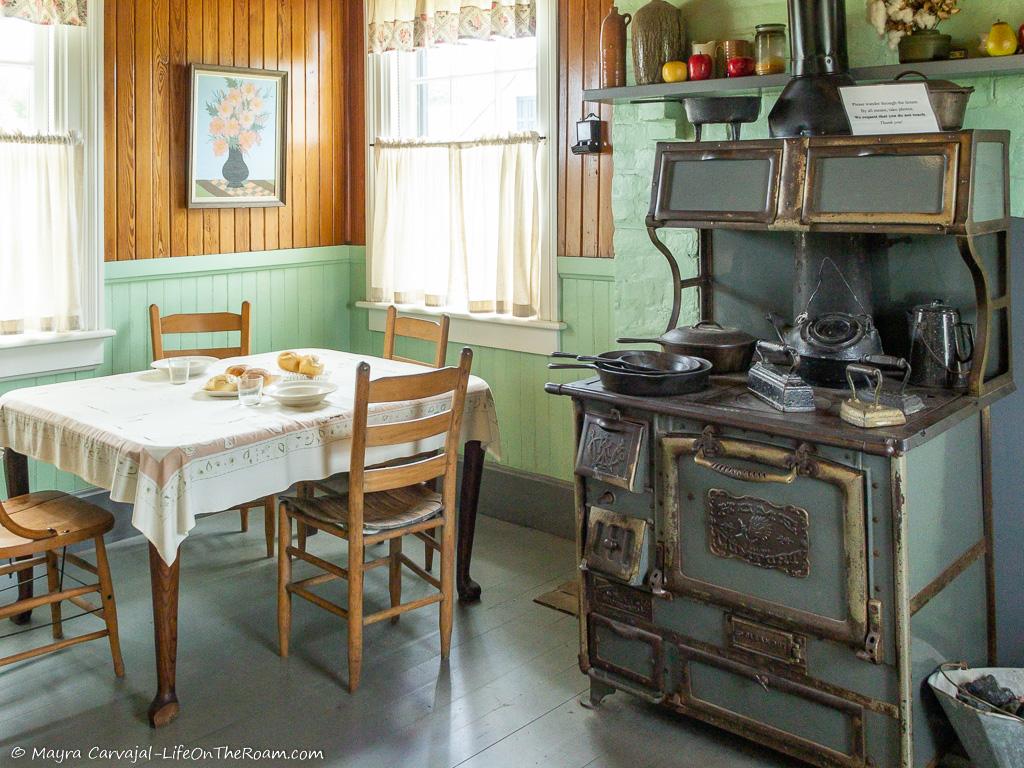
[289, 361]
[222, 382]
[310, 365]
[236, 370]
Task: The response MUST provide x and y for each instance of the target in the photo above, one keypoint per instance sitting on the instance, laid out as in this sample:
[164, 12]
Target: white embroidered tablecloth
[175, 452]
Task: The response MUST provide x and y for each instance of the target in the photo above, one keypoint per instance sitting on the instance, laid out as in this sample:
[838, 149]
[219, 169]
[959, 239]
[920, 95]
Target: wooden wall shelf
[980, 67]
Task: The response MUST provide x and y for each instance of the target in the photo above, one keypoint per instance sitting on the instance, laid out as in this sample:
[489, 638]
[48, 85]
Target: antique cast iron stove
[790, 577]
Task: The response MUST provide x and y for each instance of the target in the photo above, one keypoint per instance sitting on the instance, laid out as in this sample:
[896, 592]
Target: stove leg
[598, 693]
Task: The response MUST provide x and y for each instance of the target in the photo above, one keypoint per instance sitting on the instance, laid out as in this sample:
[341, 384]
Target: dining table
[176, 452]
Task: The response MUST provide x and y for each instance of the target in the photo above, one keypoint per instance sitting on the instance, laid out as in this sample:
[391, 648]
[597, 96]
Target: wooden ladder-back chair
[416, 328]
[33, 528]
[214, 322]
[385, 503]
[435, 332]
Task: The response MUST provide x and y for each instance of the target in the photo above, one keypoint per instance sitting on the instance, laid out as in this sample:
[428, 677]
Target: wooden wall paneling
[298, 100]
[226, 53]
[312, 143]
[211, 55]
[589, 204]
[178, 98]
[286, 232]
[337, 86]
[144, 131]
[584, 190]
[241, 58]
[110, 135]
[125, 68]
[161, 130]
[326, 46]
[355, 173]
[262, 53]
[194, 50]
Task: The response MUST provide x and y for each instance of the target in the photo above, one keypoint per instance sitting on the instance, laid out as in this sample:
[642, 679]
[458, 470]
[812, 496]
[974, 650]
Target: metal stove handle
[738, 473]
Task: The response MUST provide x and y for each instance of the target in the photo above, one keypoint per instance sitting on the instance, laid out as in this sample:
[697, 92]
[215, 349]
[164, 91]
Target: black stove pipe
[810, 105]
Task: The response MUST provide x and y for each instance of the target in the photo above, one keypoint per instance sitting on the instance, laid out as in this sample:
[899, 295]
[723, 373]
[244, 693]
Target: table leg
[472, 471]
[164, 579]
[16, 471]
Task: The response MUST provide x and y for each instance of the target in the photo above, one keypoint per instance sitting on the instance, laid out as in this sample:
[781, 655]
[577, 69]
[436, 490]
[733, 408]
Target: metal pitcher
[941, 346]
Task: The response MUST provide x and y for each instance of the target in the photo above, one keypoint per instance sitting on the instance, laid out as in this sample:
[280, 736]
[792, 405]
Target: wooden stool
[32, 528]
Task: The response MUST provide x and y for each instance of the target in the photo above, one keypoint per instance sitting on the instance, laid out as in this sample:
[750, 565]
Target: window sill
[536, 337]
[35, 354]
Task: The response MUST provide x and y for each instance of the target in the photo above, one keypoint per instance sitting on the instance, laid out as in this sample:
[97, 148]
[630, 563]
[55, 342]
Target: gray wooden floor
[508, 697]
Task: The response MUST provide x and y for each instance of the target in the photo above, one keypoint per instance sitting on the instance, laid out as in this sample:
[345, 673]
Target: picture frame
[238, 121]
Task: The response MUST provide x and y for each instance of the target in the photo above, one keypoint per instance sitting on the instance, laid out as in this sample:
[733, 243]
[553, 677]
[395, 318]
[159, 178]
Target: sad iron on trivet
[869, 415]
[897, 398]
[773, 379]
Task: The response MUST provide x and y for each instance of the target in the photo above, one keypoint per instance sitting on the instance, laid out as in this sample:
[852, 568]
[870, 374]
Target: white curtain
[461, 225]
[41, 246]
[403, 25]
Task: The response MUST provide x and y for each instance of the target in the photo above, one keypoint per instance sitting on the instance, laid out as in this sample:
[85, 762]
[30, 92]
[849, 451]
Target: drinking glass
[250, 390]
[177, 369]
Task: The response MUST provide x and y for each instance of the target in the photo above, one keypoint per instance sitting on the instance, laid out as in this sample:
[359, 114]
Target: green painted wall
[643, 296]
[299, 298]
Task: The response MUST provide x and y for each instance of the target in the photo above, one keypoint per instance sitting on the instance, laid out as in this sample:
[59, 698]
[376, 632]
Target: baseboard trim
[532, 501]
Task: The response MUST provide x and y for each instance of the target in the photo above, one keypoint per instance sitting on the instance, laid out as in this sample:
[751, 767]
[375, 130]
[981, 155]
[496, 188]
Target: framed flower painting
[237, 120]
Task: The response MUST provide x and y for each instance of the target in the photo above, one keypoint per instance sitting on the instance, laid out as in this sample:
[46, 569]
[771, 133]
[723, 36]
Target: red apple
[740, 66]
[701, 66]
[1020, 37]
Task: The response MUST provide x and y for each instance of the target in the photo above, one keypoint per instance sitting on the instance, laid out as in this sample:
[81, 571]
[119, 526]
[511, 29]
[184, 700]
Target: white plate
[299, 394]
[197, 363]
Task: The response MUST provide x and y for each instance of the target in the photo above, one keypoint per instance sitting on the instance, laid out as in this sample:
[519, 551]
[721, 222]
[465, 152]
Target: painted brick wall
[643, 295]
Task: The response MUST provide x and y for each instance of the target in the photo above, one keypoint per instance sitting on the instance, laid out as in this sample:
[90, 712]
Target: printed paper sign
[888, 109]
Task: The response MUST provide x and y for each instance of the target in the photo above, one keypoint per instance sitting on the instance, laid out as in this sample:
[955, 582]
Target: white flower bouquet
[894, 19]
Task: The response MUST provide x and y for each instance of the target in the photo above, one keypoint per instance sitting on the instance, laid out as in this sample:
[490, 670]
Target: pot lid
[938, 86]
[710, 334]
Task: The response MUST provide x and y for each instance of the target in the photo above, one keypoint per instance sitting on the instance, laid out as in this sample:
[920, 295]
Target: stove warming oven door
[776, 535]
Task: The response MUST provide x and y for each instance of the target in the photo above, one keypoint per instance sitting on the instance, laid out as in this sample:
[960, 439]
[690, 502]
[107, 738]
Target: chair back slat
[201, 322]
[419, 329]
[388, 478]
[414, 386]
[407, 431]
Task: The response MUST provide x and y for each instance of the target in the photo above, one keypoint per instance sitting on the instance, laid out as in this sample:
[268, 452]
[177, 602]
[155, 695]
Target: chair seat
[382, 510]
[73, 520]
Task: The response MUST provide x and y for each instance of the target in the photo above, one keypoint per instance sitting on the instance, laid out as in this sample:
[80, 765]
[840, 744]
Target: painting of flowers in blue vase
[237, 132]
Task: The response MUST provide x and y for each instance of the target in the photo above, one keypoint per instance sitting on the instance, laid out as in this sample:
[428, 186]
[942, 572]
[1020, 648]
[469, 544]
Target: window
[461, 183]
[50, 195]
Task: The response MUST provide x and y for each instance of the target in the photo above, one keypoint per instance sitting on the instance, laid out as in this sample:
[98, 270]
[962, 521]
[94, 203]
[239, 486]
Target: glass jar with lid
[770, 50]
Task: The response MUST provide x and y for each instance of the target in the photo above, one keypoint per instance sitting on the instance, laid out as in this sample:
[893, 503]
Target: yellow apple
[674, 72]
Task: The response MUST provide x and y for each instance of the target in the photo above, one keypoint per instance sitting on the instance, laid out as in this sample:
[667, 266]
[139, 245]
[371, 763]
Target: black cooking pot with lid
[949, 100]
[729, 349]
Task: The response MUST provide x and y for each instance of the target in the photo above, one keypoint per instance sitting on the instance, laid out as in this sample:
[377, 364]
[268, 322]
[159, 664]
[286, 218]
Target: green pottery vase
[657, 37]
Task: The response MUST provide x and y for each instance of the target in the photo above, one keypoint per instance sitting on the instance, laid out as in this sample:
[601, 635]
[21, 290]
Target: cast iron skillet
[665, 384]
[639, 361]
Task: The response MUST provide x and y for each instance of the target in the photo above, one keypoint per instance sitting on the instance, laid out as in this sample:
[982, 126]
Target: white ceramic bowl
[197, 364]
[301, 394]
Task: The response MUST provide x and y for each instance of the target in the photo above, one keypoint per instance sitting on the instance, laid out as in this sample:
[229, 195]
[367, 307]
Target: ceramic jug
[613, 48]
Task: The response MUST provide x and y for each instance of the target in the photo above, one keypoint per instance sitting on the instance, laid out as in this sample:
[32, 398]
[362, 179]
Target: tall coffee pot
[941, 346]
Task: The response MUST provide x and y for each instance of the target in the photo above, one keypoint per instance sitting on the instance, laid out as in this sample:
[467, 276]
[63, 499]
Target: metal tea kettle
[941, 346]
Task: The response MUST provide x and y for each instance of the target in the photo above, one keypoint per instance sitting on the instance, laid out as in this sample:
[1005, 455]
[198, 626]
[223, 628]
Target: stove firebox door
[777, 534]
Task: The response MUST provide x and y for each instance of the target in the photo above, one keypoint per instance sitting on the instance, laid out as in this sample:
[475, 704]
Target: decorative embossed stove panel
[758, 532]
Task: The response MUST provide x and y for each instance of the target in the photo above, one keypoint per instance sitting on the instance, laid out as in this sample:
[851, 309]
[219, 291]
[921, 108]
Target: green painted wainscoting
[536, 428]
[299, 297]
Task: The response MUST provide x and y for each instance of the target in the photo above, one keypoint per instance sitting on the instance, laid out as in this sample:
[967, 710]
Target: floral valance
[70, 12]
[403, 25]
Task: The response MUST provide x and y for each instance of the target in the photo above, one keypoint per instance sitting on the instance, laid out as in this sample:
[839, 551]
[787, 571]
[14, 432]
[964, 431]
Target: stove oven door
[777, 534]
